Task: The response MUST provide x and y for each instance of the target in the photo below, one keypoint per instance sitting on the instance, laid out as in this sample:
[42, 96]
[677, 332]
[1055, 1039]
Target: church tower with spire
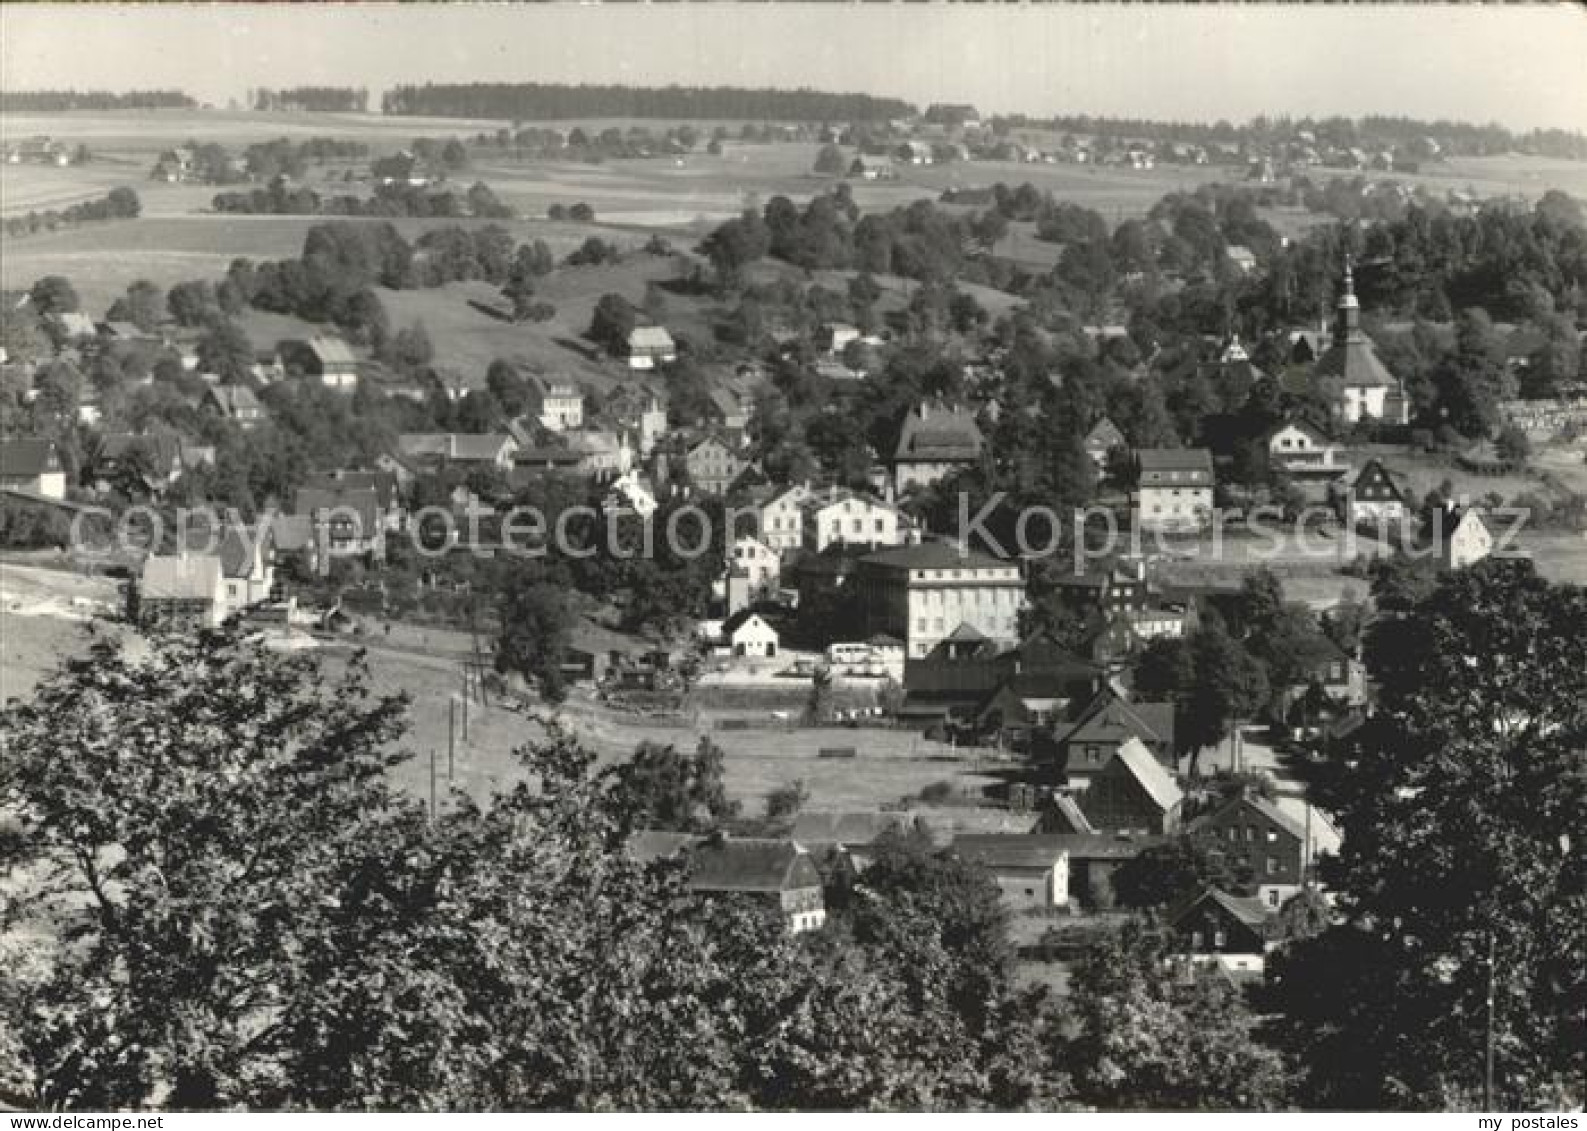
[1366, 387]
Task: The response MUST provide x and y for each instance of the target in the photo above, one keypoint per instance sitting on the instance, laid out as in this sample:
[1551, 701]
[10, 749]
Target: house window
[1195, 940]
[1272, 898]
[1272, 865]
[1234, 833]
[1217, 938]
[1272, 836]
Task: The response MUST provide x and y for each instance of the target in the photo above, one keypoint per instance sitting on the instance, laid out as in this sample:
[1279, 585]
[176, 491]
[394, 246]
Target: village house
[833, 336]
[649, 347]
[155, 460]
[848, 835]
[747, 635]
[247, 561]
[1242, 257]
[777, 873]
[1462, 537]
[1277, 850]
[74, 326]
[1100, 443]
[760, 565]
[179, 591]
[639, 411]
[558, 404]
[1214, 924]
[436, 448]
[1104, 726]
[712, 465]
[728, 410]
[327, 359]
[782, 518]
[346, 520]
[386, 487]
[631, 491]
[1174, 489]
[1031, 871]
[922, 593]
[1306, 454]
[1133, 793]
[1366, 387]
[869, 168]
[602, 453]
[235, 403]
[839, 515]
[42, 150]
[32, 464]
[935, 442]
[1374, 497]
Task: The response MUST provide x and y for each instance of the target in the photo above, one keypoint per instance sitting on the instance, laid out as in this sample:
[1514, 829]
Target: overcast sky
[1522, 66]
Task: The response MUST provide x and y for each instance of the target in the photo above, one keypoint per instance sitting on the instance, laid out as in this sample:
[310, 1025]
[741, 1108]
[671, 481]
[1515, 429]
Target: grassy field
[44, 612]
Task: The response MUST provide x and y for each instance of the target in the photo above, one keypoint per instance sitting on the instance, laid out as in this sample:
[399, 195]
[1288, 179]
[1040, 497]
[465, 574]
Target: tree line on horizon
[527, 101]
[34, 101]
[314, 98]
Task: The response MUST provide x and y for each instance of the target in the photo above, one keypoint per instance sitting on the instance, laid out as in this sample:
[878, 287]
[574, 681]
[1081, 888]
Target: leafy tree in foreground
[1154, 1036]
[535, 633]
[1461, 801]
[226, 905]
[1162, 873]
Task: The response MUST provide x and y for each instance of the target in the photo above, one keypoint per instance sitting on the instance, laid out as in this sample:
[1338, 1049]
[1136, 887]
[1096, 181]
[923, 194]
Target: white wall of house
[754, 639]
[1172, 508]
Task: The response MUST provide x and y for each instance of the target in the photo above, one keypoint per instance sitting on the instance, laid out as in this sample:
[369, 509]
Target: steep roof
[163, 448]
[462, 446]
[934, 555]
[382, 483]
[653, 844]
[1247, 911]
[26, 456]
[1144, 767]
[751, 864]
[363, 503]
[332, 352]
[1315, 435]
[1353, 359]
[1174, 459]
[1066, 813]
[1108, 718]
[1010, 850]
[180, 577]
[739, 619]
[1326, 839]
[650, 337]
[852, 828]
[1104, 434]
[939, 433]
[233, 399]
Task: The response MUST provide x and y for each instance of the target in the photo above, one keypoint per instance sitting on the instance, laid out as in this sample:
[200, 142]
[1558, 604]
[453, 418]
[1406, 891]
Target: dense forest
[46, 101]
[318, 98]
[531, 101]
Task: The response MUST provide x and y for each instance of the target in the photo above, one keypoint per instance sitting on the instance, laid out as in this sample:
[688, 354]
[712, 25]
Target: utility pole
[451, 735]
[1487, 1052]
[432, 783]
